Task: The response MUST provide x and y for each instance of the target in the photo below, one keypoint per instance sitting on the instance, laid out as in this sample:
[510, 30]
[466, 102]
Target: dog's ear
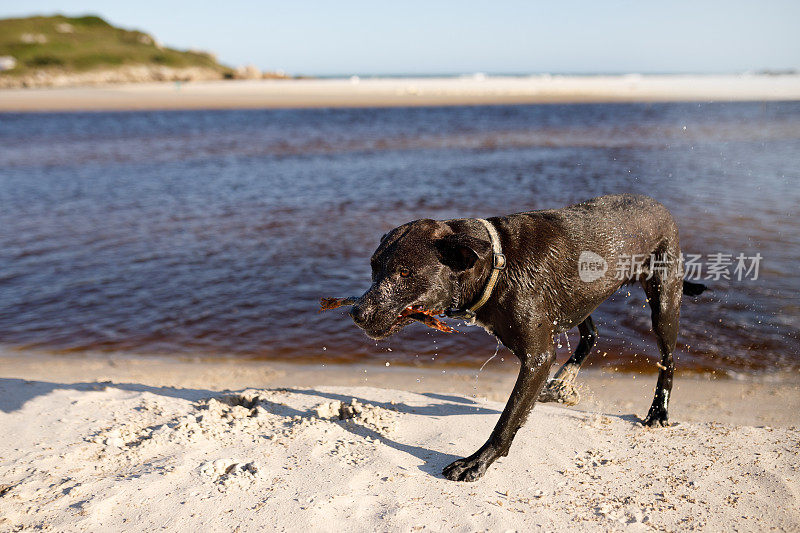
[460, 251]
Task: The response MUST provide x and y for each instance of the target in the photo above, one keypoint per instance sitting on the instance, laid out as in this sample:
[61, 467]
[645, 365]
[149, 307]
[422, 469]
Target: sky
[459, 37]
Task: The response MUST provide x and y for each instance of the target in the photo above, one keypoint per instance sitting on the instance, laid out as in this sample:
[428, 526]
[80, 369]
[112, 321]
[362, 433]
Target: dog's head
[422, 263]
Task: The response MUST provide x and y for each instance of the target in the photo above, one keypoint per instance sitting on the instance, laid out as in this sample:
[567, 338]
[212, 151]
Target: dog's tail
[693, 289]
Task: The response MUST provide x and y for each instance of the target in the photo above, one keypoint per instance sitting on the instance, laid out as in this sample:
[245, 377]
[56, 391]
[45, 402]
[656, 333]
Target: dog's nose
[358, 315]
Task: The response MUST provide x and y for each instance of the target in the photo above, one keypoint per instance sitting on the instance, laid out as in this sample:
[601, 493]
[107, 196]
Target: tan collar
[498, 264]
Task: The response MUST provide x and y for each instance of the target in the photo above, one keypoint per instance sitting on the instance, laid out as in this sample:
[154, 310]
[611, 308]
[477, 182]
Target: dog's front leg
[535, 362]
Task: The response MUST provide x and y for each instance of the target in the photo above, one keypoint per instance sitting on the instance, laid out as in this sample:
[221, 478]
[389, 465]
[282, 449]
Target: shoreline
[756, 400]
[402, 92]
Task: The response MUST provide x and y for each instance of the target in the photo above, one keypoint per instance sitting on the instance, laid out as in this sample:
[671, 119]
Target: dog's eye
[404, 272]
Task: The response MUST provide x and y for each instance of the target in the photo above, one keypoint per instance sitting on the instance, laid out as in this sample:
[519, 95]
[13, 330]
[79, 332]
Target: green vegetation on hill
[81, 44]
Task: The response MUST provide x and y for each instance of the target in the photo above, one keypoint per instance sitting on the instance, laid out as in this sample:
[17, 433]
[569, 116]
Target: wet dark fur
[538, 295]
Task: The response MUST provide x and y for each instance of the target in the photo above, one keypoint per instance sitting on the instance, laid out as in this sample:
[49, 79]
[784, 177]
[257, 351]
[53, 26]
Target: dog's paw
[465, 470]
[656, 419]
[560, 392]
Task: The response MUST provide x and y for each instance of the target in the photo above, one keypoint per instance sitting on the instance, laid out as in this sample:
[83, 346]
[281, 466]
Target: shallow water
[216, 232]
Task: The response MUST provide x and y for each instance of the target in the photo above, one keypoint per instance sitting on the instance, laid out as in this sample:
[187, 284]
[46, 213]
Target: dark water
[216, 232]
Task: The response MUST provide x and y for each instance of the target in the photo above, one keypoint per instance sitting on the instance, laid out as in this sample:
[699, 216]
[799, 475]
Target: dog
[526, 278]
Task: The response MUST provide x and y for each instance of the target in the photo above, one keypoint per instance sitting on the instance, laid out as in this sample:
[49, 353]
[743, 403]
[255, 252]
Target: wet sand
[767, 400]
[387, 92]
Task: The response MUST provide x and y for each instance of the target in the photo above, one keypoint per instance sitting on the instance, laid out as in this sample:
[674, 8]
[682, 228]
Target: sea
[215, 233]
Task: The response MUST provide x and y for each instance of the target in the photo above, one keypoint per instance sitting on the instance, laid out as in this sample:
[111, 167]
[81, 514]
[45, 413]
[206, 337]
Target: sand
[381, 92]
[119, 443]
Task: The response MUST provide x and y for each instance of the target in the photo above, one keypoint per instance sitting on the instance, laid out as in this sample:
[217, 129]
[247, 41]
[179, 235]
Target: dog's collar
[498, 264]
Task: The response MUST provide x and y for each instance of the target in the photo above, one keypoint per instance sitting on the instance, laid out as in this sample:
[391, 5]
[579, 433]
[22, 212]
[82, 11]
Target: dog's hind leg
[664, 294]
[561, 388]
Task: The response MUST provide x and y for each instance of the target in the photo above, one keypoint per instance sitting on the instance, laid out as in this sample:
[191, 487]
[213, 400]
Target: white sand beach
[134, 443]
[383, 92]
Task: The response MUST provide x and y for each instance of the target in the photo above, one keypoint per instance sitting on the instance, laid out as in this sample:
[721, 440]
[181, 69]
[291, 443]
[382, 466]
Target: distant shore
[389, 92]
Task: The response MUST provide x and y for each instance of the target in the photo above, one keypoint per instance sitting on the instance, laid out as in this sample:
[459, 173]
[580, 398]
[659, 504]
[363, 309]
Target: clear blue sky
[416, 37]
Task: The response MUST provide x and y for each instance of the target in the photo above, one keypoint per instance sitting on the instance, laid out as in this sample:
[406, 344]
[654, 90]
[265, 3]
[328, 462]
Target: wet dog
[525, 278]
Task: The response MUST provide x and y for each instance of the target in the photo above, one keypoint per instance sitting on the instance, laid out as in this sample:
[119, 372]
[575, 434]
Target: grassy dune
[82, 44]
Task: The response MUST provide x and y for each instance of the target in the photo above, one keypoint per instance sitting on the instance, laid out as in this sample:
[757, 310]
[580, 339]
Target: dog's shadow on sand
[432, 461]
[457, 405]
[15, 393]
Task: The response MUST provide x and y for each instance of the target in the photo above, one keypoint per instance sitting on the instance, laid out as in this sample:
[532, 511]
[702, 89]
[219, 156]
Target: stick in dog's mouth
[412, 312]
[426, 316]
[326, 304]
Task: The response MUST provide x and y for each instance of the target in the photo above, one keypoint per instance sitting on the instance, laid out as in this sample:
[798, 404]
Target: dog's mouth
[408, 315]
[419, 313]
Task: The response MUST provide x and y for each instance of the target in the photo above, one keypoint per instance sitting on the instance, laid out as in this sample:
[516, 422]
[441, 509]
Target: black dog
[525, 278]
